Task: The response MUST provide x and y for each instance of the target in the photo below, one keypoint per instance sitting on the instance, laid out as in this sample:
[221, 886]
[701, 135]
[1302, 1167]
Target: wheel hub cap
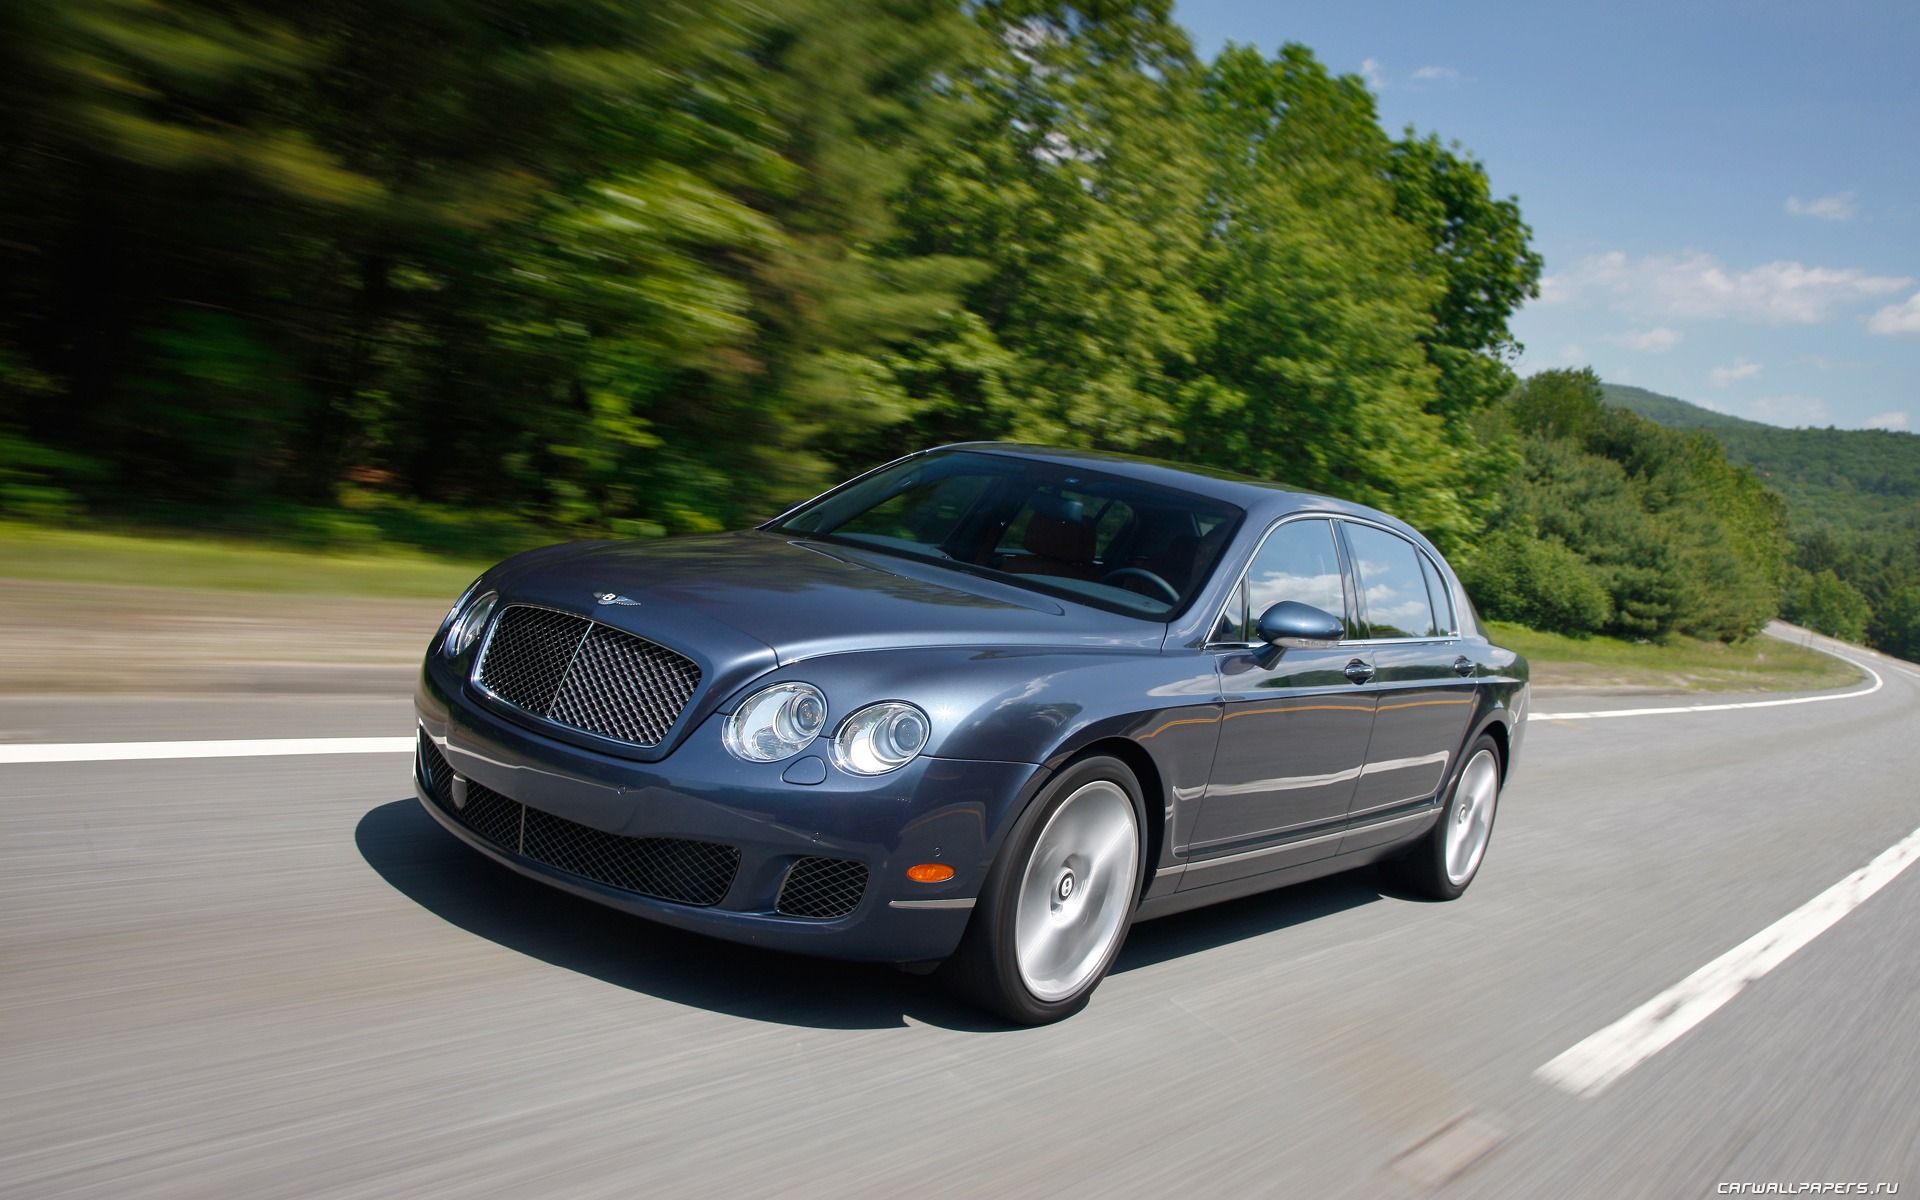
[1076, 890]
[1474, 798]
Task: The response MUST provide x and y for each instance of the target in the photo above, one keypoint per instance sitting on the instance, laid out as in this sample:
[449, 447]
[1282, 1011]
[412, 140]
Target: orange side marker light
[930, 873]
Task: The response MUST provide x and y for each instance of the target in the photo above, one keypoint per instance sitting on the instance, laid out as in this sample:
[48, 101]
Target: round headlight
[468, 626]
[461, 602]
[776, 722]
[881, 737]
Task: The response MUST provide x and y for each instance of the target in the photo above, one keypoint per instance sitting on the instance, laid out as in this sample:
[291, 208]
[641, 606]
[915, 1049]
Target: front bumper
[932, 810]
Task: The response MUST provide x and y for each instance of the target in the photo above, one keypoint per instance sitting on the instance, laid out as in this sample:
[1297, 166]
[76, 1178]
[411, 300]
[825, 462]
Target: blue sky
[1727, 194]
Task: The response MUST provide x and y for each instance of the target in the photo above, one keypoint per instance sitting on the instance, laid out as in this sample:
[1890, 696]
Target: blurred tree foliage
[639, 268]
[669, 266]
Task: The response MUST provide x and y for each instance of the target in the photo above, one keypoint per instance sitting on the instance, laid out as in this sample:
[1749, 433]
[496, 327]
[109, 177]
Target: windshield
[1123, 546]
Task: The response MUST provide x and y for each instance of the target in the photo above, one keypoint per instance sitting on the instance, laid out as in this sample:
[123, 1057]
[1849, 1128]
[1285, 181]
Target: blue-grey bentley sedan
[984, 707]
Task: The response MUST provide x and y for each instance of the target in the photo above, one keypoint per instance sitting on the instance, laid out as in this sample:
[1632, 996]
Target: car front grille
[586, 675]
[822, 887]
[682, 870]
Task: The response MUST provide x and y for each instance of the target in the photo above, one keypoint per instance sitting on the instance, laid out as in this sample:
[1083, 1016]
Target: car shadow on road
[432, 868]
[1154, 942]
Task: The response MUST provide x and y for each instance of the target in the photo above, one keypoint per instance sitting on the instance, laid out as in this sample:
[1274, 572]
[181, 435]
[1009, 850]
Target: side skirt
[1233, 889]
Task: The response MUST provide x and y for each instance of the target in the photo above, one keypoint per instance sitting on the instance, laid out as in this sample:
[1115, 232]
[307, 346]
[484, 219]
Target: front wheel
[1059, 900]
[1442, 864]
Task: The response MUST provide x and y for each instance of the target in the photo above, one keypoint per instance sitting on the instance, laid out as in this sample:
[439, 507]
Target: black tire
[1423, 869]
[986, 967]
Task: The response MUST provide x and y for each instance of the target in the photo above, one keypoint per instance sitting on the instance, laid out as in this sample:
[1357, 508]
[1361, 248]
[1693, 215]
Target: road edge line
[69, 752]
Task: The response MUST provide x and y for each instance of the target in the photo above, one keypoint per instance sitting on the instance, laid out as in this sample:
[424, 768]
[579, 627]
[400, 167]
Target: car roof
[1263, 500]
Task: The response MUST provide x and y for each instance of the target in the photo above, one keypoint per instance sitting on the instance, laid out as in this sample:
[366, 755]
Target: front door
[1293, 739]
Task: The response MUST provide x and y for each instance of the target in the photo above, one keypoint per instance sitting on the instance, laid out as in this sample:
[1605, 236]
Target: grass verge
[1761, 664]
[169, 560]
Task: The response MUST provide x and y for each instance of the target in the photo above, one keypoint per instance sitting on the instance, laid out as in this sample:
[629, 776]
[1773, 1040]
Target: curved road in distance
[276, 977]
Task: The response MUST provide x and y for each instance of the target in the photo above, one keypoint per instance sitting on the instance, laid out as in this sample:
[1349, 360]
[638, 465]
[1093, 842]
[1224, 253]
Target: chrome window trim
[1240, 579]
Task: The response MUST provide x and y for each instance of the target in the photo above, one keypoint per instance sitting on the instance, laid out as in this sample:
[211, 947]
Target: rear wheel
[1442, 864]
[1059, 900]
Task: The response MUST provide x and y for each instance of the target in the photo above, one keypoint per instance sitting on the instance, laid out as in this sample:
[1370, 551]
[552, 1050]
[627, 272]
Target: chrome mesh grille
[822, 887]
[528, 655]
[677, 869]
[586, 675]
[492, 816]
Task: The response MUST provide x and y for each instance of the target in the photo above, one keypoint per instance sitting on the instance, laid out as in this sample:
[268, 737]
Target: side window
[1443, 623]
[1296, 562]
[1394, 590]
[1233, 618]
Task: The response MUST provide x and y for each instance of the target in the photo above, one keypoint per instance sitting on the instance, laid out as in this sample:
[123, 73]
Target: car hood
[803, 598]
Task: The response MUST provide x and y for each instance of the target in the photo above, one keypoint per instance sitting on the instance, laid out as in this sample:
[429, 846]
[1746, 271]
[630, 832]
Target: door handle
[1358, 671]
[1463, 666]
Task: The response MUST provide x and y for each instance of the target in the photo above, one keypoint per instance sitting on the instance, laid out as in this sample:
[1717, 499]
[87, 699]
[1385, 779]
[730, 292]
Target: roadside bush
[1538, 583]
[1827, 604]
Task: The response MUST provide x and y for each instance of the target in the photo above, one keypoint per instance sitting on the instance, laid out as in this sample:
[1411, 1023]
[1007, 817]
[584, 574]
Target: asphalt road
[276, 977]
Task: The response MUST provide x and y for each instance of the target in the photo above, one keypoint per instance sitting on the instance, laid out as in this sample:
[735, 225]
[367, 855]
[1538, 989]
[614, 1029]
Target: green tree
[1682, 540]
[1827, 604]
[1317, 370]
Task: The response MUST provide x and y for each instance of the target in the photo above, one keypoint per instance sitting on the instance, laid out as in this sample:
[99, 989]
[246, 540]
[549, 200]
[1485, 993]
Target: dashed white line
[66, 752]
[1589, 1067]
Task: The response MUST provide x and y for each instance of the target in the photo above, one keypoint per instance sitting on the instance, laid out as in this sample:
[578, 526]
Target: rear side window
[1393, 587]
[1297, 562]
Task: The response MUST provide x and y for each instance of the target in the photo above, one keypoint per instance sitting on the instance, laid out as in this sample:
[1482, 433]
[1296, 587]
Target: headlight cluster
[880, 737]
[468, 625]
[780, 721]
[777, 722]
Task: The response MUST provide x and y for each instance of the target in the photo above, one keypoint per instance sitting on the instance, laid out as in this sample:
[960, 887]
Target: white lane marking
[1589, 1067]
[1869, 690]
[49, 752]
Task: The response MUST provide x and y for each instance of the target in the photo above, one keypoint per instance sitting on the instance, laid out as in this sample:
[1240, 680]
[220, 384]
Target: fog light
[930, 873]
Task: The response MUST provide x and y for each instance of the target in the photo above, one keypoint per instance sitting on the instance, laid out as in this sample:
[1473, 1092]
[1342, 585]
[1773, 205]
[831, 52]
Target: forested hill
[1853, 505]
[1850, 479]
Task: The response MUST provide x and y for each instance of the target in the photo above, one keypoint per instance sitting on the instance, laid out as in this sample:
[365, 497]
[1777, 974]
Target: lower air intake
[822, 888]
[678, 869]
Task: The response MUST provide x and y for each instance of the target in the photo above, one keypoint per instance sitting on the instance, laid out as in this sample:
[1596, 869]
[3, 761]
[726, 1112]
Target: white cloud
[1892, 420]
[1700, 286]
[1897, 318]
[1826, 363]
[1647, 341]
[1375, 75]
[1838, 207]
[1728, 376]
[1435, 77]
[1790, 410]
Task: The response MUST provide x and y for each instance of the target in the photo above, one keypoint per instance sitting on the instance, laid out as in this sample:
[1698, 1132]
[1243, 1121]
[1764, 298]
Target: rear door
[1423, 687]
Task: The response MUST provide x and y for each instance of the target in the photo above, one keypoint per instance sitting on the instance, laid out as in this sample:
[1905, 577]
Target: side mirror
[1291, 623]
